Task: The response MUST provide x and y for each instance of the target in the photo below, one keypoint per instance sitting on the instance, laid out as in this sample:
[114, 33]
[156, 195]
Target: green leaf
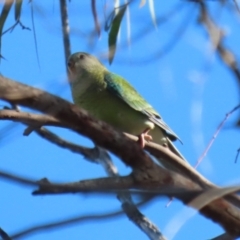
[113, 33]
[4, 14]
[18, 9]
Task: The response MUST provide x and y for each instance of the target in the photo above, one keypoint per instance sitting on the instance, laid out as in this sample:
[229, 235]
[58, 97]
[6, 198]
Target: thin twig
[225, 55]
[215, 135]
[34, 33]
[10, 29]
[238, 152]
[69, 221]
[65, 30]
[91, 154]
[95, 17]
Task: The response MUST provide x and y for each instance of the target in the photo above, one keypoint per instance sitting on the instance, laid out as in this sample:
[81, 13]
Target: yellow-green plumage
[112, 99]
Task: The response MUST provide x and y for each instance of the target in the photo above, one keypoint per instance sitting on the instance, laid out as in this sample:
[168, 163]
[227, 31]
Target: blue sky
[189, 86]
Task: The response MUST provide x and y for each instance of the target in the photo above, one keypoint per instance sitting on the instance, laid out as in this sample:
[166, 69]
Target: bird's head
[81, 63]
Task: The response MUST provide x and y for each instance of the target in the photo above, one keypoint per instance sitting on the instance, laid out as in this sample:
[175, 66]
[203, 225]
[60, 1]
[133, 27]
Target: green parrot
[110, 98]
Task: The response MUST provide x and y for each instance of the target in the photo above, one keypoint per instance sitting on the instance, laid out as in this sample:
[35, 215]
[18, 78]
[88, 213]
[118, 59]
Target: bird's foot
[143, 137]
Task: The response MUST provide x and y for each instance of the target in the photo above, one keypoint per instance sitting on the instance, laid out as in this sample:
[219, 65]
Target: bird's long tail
[173, 149]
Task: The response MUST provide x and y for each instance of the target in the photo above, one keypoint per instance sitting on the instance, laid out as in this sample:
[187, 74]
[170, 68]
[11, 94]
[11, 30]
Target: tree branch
[146, 174]
[96, 154]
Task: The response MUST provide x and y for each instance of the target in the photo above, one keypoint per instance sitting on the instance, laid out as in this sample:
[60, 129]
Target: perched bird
[110, 98]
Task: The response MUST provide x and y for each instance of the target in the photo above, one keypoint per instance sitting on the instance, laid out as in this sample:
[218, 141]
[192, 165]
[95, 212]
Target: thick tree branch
[155, 149]
[146, 174]
[95, 154]
[32, 119]
[77, 119]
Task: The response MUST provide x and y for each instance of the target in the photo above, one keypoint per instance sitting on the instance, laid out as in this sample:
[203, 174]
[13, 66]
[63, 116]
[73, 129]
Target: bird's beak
[71, 65]
[71, 69]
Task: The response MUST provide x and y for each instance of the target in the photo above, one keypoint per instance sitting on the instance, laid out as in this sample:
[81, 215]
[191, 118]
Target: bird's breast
[105, 106]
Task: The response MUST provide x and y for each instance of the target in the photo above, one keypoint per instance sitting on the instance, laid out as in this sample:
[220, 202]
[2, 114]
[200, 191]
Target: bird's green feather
[112, 99]
[121, 88]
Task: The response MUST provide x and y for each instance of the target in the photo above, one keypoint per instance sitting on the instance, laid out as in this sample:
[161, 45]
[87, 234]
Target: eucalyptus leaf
[113, 33]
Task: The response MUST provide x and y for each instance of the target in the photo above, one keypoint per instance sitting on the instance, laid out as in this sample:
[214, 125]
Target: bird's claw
[143, 137]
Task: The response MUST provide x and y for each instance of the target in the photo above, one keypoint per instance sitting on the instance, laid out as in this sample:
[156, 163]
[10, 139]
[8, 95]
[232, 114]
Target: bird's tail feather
[175, 150]
[167, 164]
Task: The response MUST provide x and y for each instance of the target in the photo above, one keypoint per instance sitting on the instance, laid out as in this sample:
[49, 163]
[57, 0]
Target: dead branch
[95, 154]
[146, 174]
[216, 36]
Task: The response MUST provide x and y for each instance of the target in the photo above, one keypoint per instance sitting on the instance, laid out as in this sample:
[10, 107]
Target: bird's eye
[81, 56]
[70, 64]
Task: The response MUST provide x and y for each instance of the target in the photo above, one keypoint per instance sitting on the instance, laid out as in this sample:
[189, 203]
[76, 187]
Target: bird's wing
[121, 88]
